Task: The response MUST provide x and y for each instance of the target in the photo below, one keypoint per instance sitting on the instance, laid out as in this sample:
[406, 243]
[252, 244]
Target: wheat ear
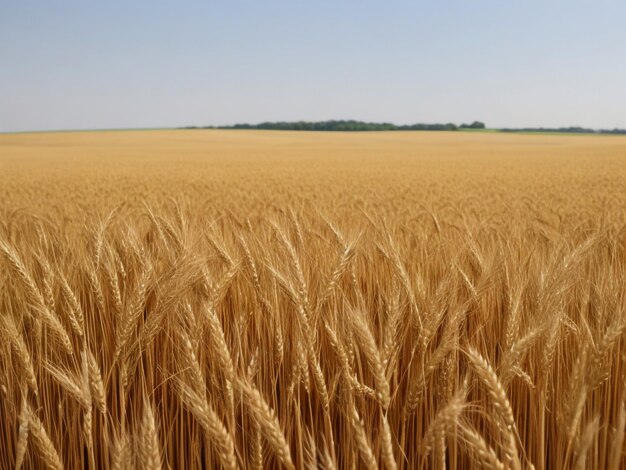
[43, 444]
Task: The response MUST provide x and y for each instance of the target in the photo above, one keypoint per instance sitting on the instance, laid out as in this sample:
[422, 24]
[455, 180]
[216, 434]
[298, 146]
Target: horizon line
[525, 129]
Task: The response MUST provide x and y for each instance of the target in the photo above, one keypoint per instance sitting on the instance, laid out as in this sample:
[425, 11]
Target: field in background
[254, 299]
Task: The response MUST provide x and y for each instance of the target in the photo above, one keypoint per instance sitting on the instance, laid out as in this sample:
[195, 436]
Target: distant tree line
[346, 125]
[352, 125]
[474, 125]
[567, 130]
[349, 125]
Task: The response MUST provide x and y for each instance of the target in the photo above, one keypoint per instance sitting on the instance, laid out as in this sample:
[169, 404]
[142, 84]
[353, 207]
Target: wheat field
[254, 299]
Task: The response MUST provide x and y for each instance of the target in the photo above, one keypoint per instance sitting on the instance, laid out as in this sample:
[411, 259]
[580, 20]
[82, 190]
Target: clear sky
[114, 64]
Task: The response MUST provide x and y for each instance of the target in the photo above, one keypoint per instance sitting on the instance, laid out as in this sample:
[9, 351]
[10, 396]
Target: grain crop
[257, 299]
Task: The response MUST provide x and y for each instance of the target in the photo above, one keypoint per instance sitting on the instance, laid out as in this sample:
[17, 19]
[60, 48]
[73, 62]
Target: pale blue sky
[112, 64]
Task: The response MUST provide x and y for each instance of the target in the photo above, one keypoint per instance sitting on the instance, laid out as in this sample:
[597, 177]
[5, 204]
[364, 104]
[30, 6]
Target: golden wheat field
[255, 299]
